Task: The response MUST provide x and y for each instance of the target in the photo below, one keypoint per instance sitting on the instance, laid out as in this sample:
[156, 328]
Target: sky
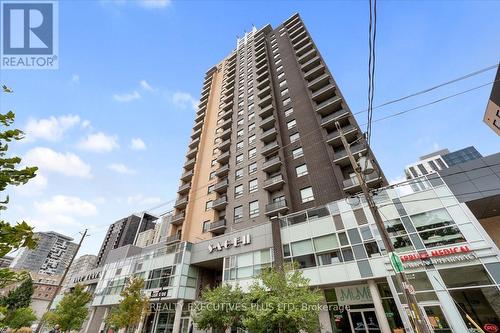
[109, 129]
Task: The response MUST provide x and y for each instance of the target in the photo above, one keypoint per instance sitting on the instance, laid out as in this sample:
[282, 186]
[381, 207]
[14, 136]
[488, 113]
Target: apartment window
[294, 137]
[252, 168]
[214, 161]
[239, 159]
[238, 213]
[239, 145]
[297, 152]
[306, 194]
[252, 153]
[240, 133]
[253, 185]
[238, 174]
[284, 92]
[278, 61]
[291, 124]
[251, 139]
[287, 101]
[240, 122]
[250, 107]
[238, 191]
[251, 127]
[301, 170]
[206, 226]
[280, 76]
[208, 205]
[214, 151]
[251, 116]
[282, 84]
[241, 112]
[250, 98]
[254, 208]
[280, 68]
[210, 189]
[240, 104]
[212, 175]
[288, 112]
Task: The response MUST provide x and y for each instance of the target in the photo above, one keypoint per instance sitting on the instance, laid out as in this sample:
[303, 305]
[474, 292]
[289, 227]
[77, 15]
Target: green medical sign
[396, 262]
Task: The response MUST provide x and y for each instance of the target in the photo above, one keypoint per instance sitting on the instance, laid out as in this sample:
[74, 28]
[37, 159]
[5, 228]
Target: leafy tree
[132, 306]
[12, 237]
[71, 311]
[220, 308]
[22, 317]
[19, 297]
[282, 301]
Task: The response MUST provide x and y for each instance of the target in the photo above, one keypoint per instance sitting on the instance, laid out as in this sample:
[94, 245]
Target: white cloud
[137, 144]
[141, 200]
[51, 129]
[154, 3]
[146, 86]
[99, 143]
[75, 79]
[86, 124]
[183, 100]
[47, 159]
[121, 168]
[99, 200]
[62, 205]
[127, 97]
[34, 187]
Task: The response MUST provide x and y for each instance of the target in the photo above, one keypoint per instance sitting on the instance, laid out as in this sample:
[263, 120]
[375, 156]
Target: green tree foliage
[71, 312]
[22, 317]
[19, 297]
[220, 308]
[282, 301]
[12, 237]
[132, 306]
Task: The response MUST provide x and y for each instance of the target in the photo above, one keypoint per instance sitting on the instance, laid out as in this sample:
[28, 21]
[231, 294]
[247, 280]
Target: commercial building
[6, 261]
[81, 265]
[124, 232]
[51, 256]
[492, 113]
[267, 180]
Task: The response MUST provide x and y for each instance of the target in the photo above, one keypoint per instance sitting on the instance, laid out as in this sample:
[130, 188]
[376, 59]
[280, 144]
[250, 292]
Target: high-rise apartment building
[51, 256]
[265, 140]
[492, 113]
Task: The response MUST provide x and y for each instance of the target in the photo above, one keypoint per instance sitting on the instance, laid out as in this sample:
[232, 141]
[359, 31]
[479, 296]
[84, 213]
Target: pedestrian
[56, 329]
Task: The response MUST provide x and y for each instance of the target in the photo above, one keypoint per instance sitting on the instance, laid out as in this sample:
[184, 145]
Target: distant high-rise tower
[51, 256]
[492, 113]
[264, 140]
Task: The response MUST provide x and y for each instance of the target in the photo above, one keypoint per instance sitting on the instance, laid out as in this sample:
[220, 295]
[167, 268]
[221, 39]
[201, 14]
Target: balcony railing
[181, 203]
[274, 183]
[223, 158]
[184, 188]
[328, 106]
[190, 163]
[173, 239]
[341, 157]
[266, 111]
[221, 186]
[270, 148]
[334, 137]
[352, 184]
[218, 227]
[269, 135]
[272, 164]
[220, 203]
[222, 171]
[276, 207]
[187, 175]
[330, 120]
[178, 218]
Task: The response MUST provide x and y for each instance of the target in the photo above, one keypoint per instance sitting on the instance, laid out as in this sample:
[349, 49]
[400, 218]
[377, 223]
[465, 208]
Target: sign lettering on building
[159, 293]
[228, 243]
[91, 276]
[358, 294]
[439, 256]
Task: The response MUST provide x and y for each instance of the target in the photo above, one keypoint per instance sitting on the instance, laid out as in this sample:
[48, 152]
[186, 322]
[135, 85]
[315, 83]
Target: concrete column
[141, 324]
[324, 318]
[177, 318]
[402, 311]
[89, 321]
[379, 308]
[103, 324]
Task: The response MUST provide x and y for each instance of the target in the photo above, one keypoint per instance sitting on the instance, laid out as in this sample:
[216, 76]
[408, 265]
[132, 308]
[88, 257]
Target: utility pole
[417, 317]
[42, 320]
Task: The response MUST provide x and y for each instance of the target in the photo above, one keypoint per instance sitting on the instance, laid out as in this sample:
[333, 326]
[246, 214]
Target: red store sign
[436, 253]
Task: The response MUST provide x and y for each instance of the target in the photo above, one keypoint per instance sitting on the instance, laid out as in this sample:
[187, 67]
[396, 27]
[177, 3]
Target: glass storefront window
[437, 319]
[395, 227]
[466, 276]
[401, 243]
[442, 236]
[433, 219]
[482, 304]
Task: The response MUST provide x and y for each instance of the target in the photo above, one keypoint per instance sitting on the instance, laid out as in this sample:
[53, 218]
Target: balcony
[186, 176]
[194, 143]
[272, 165]
[352, 185]
[198, 125]
[183, 189]
[300, 43]
[349, 131]
[196, 134]
[223, 158]
[329, 121]
[304, 49]
[267, 111]
[264, 91]
[221, 186]
[259, 46]
[294, 31]
[220, 204]
[269, 135]
[319, 82]
[274, 183]
[278, 207]
[270, 148]
[263, 84]
[298, 37]
[228, 98]
[261, 70]
[222, 171]
[307, 56]
[313, 63]
[224, 145]
[228, 106]
[261, 55]
[192, 152]
[225, 134]
[341, 158]
[178, 219]
[326, 92]
[267, 123]
[218, 227]
[199, 117]
[292, 21]
[226, 115]
[330, 105]
[173, 239]
[190, 163]
[265, 101]
[260, 63]
[226, 124]
[181, 203]
[315, 72]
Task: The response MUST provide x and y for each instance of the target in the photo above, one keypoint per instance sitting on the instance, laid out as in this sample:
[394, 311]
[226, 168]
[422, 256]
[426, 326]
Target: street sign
[396, 263]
